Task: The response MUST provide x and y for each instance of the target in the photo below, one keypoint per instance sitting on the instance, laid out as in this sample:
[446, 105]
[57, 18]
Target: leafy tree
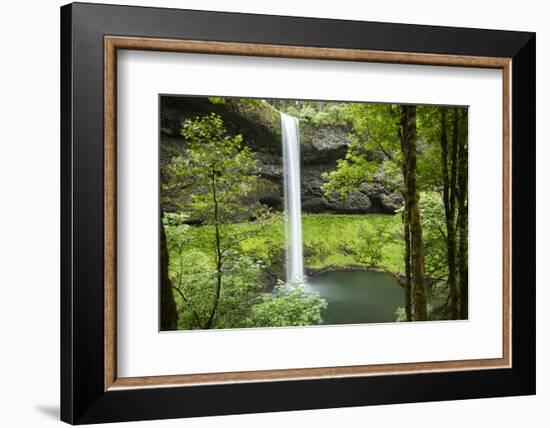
[189, 270]
[377, 154]
[374, 154]
[433, 227]
[408, 137]
[444, 167]
[219, 270]
[315, 250]
[216, 172]
[367, 249]
[318, 113]
[196, 288]
[242, 302]
[242, 276]
[384, 149]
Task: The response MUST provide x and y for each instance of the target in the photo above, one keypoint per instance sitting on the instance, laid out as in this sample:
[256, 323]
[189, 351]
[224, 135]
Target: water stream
[292, 195]
[353, 297]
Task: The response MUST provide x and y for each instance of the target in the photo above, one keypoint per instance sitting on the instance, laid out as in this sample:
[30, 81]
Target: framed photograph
[266, 213]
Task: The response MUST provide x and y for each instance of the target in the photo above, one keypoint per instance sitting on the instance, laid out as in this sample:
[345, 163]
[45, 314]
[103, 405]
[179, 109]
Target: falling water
[293, 208]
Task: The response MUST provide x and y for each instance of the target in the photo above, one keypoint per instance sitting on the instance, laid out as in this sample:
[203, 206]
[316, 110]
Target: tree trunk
[218, 257]
[409, 137]
[406, 229]
[449, 198]
[407, 236]
[168, 310]
[462, 196]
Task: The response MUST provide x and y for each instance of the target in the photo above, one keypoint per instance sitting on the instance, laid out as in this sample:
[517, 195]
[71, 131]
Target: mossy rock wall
[259, 123]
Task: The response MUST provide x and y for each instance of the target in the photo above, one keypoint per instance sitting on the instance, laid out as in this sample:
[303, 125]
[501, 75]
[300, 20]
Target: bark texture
[449, 202]
[409, 142]
[408, 285]
[168, 310]
[462, 202]
[406, 225]
[218, 255]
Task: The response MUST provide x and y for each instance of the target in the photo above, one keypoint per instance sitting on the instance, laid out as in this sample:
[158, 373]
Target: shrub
[288, 305]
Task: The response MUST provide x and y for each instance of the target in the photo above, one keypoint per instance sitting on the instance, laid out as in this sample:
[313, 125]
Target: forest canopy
[383, 192]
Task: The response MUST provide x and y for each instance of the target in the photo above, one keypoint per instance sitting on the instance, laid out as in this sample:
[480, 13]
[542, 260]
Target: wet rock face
[324, 144]
[366, 199]
[320, 148]
[320, 151]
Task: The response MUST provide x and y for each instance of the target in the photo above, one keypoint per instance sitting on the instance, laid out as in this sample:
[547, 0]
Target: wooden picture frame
[91, 390]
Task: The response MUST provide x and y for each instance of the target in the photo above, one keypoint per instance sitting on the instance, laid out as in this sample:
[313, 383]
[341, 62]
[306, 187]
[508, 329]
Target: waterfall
[293, 206]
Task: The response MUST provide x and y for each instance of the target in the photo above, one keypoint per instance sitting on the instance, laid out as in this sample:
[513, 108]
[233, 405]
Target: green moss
[329, 240]
[337, 236]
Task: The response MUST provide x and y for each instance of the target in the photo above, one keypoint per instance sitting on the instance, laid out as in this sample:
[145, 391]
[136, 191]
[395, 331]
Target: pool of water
[356, 297]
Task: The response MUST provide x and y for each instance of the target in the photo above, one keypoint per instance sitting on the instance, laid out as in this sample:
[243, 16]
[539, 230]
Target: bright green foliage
[242, 285]
[217, 171]
[337, 235]
[339, 241]
[375, 153]
[330, 240]
[368, 248]
[217, 100]
[216, 282]
[318, 249]
[288, 305]
[243, 302]
[433, 235]
[373, 156]
[429, 131]
[374, 128]
[195, 278]
[193, 283]
[213, 177]
[193, 275]
[435, 256]
[190, 273]
[309, 112]
[227, 269]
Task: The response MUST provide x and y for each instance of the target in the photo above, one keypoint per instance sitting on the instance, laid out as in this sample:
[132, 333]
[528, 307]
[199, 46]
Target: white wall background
[29, 214]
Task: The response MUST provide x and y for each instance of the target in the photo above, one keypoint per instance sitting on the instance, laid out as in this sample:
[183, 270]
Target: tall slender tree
[462, 202]
[406, 227]
[407, 255]
[390, 132]
[168, 310]
[215, 175]
[449, 159]
[409, 142]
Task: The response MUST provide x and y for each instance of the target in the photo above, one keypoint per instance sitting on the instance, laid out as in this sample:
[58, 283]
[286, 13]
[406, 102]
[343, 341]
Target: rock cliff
[258, 122]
